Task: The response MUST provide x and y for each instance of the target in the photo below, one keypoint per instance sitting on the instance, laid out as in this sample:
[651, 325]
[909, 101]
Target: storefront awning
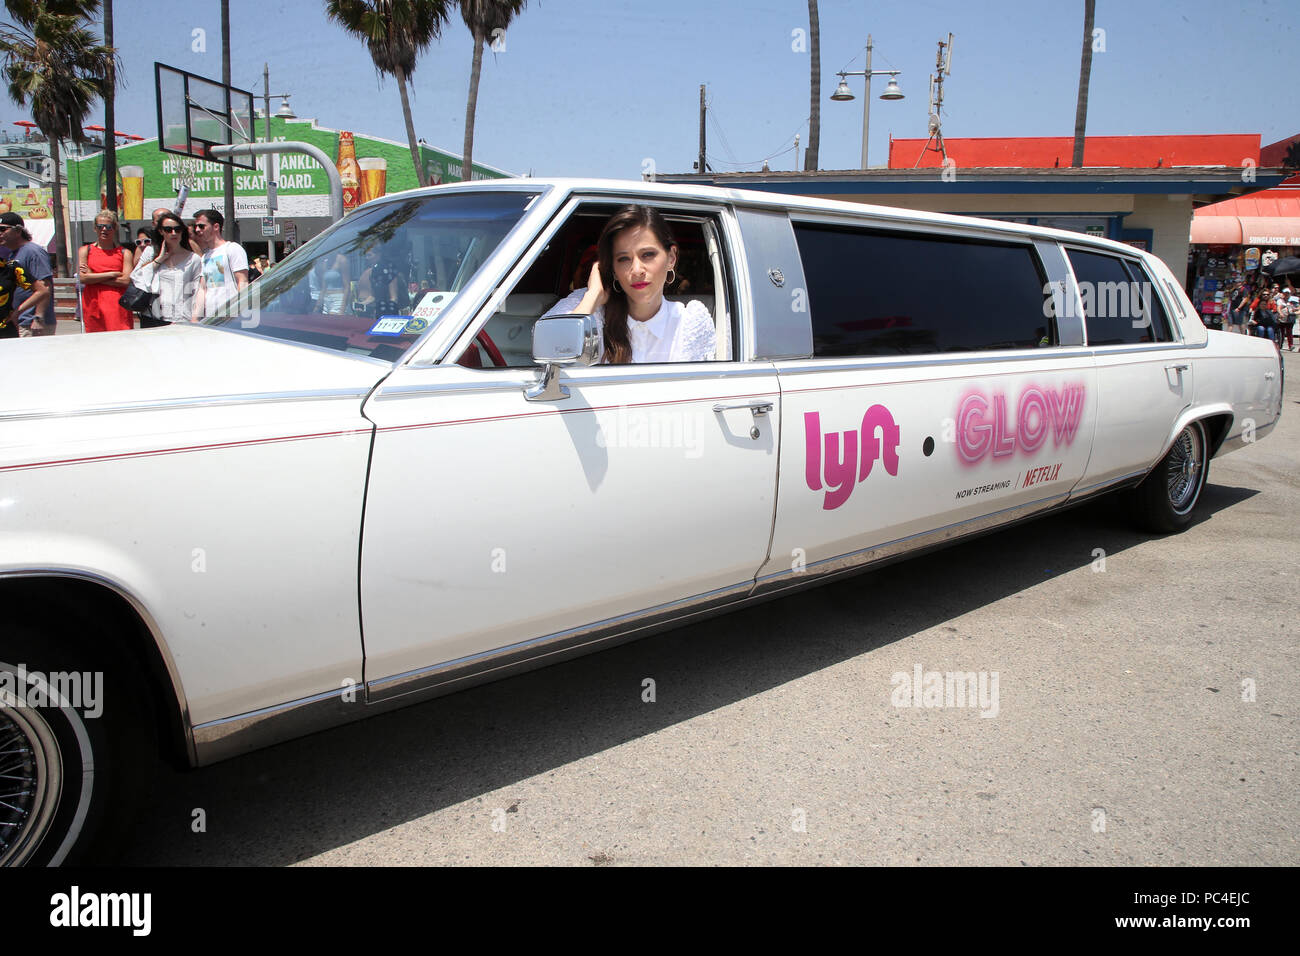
[1246, 231]
[1267, 218]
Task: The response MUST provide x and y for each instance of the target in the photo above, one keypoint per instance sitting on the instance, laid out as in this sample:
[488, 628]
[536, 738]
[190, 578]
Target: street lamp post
[843, 93]
[272, 200]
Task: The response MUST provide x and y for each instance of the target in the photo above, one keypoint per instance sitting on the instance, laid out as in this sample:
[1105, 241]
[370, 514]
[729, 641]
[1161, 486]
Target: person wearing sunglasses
[225, 264]
[104, 268]
[173, 274]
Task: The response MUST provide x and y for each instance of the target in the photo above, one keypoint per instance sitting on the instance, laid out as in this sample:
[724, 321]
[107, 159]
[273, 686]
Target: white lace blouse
[676, 333]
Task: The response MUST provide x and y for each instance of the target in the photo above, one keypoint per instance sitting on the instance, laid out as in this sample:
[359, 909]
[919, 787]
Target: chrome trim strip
[203, 401]
[228, 737]
[602, 375]
[868, 362]
[1108, 484]
[1101, 351]
[854, 560]
[398, 684]
[155, 633]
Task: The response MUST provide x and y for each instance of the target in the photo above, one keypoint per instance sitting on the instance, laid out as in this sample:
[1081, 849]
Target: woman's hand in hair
[595, 296]
[596, 285]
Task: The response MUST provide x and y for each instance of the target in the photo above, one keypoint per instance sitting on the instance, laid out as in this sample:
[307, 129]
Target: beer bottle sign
[349, 172]
[103, 189]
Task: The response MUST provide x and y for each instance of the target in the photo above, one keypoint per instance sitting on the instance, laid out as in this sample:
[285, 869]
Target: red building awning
[1267, 218]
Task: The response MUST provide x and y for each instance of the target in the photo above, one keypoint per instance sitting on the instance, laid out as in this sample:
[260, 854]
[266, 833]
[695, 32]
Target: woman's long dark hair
[158, 235]
[618, 343]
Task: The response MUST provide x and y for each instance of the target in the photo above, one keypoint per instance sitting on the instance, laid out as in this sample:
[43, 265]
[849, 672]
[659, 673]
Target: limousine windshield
[380, 278]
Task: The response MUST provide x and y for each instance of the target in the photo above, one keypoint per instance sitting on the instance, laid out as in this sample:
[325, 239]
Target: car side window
[1153, 310]
[888, 292]
[1120, 301]
[561, 271]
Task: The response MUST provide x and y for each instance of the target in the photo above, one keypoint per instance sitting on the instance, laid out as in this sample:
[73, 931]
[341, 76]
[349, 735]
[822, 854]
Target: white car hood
[68, 373]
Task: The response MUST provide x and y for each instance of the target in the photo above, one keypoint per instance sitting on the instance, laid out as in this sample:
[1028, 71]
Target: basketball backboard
[195, 114]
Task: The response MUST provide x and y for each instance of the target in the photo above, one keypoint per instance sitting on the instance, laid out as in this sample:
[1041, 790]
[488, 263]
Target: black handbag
[137, 300]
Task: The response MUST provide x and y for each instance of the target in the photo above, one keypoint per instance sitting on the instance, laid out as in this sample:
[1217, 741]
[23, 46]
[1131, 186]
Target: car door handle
[758, 407]
[1177, 368]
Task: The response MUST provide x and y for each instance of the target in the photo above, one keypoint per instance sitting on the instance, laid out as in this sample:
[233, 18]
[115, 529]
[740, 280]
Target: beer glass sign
[374, 177]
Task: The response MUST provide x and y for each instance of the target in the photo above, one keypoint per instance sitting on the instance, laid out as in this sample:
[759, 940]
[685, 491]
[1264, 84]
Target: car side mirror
[559, 341]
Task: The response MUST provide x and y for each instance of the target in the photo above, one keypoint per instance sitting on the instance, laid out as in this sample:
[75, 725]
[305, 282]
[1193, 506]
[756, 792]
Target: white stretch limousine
[487, 454]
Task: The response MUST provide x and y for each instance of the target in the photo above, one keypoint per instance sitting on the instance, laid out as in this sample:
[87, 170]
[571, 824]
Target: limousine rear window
[373, 283]
[1115, 298]
[878, 292]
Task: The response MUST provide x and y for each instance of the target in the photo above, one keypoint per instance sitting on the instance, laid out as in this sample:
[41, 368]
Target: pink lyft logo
[1039, 408]
[844, 472]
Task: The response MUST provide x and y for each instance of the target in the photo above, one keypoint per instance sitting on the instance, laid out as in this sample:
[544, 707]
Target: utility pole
[229, 187]
[700, 165]
[271, 159]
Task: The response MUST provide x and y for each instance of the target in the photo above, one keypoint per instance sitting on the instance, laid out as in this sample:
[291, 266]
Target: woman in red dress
[104, 267]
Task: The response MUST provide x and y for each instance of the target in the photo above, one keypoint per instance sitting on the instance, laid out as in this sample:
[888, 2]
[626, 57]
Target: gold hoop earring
[672, 276]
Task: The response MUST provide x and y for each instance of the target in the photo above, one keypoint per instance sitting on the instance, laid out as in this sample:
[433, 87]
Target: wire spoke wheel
[30, 779]
[1186, 461]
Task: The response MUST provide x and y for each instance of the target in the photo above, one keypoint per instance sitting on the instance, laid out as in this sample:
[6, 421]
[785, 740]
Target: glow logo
[849, 456]
[987, 426]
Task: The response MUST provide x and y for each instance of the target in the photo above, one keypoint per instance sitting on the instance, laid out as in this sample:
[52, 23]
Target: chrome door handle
[758, 407]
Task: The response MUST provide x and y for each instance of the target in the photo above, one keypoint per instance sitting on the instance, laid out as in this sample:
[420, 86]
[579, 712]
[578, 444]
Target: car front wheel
[1165, 500]
[76, 751]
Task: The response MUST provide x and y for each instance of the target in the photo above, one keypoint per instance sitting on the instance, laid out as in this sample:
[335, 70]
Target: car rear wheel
[76, 750]
[1165, 500]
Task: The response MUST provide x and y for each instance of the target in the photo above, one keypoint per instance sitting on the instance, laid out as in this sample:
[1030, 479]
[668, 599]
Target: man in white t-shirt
[225, 264]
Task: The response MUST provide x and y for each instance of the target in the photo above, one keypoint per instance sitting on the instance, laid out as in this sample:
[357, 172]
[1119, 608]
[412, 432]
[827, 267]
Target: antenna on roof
[942, 67]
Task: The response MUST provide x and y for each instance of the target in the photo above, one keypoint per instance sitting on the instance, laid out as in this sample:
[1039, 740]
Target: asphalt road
[1145, 714]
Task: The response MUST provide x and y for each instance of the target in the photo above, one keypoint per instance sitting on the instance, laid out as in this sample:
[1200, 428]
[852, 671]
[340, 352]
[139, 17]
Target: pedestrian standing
[104, 268]
[1240, 307]
[225, 265]
[174, 273]
[1287, 311]
[33, 312]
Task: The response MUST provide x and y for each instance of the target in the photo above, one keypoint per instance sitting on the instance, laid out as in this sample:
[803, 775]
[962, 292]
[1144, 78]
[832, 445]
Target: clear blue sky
[597, 87]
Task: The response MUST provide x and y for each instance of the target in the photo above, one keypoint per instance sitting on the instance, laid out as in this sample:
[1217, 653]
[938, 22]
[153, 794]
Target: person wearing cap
[34, 309]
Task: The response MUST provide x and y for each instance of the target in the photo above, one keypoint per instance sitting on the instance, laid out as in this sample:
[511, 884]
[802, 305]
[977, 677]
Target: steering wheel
[472, 358]
[494, 353]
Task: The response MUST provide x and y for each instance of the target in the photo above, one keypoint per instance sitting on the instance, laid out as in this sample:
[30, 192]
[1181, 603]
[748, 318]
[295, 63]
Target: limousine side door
[983, 412]
[1144, 373]
[499, 529]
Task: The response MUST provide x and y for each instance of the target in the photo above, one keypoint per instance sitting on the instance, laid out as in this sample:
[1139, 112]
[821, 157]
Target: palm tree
[110, 121]
[484, 18]
[1085, 77]
[1292, 159]
[54, 67]
[815, 117]
[396, 32]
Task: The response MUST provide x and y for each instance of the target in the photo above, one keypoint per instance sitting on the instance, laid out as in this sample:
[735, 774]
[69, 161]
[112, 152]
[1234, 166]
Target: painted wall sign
[151, 178]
